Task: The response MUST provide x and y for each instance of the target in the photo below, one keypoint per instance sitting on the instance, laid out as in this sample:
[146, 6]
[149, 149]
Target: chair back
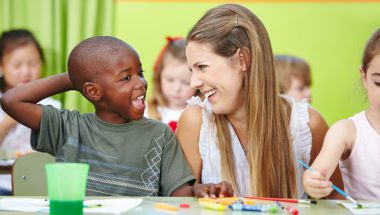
[28, 174]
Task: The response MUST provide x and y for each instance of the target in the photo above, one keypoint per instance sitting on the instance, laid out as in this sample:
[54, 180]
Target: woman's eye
[377, 84]
[202, 67]
[126, 78]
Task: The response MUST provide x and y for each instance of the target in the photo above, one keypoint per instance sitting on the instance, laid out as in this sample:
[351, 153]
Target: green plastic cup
[66, 187]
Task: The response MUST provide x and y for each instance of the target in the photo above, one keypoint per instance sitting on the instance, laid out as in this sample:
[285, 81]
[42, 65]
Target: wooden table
[147, 207]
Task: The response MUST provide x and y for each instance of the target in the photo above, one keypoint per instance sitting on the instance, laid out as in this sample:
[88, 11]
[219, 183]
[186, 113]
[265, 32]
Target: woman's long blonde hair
[228, 28]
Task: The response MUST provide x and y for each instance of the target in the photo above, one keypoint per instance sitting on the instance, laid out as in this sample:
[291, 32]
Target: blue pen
[253, 208]
[92, 205]
[341, 192]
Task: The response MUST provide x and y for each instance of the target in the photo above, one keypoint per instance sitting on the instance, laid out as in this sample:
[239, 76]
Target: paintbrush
[341, 192]
[306, 201]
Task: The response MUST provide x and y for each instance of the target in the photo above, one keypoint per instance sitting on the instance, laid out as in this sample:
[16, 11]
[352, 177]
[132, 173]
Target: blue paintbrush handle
[339, 191]
[305, 165]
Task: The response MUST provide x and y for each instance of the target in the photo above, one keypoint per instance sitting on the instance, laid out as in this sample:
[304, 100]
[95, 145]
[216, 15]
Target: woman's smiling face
[218, 78]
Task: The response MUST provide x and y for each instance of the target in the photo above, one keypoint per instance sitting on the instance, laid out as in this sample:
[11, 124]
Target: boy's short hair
[90, 58]
[290, 66]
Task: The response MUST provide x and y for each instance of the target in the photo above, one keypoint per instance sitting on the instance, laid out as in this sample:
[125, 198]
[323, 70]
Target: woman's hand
[222, 189]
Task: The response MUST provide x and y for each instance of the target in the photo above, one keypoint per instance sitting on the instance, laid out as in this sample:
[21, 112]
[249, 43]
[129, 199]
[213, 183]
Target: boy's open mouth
[139, 102]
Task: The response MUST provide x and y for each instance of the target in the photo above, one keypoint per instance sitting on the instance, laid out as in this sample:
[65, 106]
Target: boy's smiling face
[122, 86]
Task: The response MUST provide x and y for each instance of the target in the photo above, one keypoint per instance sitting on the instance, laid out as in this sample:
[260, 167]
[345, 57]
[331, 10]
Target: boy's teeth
[140, 97]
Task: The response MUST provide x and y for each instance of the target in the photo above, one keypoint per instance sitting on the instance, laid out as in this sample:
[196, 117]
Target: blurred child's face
[218, 78]
[298, 90]
[123, 88]
[371, 81]
[175, 83]
[20, 66]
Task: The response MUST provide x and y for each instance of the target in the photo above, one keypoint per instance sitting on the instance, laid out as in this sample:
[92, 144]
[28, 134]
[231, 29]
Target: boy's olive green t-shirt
[139, 158]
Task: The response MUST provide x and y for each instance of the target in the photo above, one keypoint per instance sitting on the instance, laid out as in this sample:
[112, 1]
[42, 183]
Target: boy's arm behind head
[20, 102]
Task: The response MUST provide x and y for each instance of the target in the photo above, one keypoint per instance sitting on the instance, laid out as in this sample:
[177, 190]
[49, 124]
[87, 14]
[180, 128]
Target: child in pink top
[354, 142]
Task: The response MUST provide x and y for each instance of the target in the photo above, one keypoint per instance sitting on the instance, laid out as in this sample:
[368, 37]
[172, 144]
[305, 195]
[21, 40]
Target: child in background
[244, 132]
[294, 75]
[21, 59]
[354, 142]
[171, 83]
[128, 153]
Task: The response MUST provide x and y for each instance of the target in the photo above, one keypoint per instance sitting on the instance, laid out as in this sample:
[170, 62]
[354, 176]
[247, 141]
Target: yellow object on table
[227, 200]
[164, 206]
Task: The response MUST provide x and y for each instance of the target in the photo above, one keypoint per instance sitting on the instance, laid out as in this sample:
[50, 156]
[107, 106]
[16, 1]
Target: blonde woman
[244, 132]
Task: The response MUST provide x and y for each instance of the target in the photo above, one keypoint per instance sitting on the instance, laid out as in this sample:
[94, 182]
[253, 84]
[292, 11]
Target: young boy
[295, 80]
[128, 154]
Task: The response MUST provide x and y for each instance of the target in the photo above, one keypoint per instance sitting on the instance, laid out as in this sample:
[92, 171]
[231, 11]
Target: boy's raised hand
[20, 102]
[316, 184]
[222, 189]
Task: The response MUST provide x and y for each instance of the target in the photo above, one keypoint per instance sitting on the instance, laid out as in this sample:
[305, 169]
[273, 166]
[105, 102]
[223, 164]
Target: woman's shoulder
[299, 111]
[192, 115]
[190, 121]
[204, 105]
[195, 101]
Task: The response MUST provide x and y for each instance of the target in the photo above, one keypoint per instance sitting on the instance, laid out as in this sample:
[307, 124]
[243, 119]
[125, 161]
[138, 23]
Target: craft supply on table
[337, 189]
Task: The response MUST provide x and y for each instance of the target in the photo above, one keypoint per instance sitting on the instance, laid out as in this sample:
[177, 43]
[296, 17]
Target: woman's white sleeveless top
[211, 171]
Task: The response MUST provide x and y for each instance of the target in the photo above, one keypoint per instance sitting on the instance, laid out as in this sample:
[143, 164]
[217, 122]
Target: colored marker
[293, 211]
[341, 192]
[165, 206]
[213, 206]
[257, 208]
[224, 201]
[184, 205]
[285, 200]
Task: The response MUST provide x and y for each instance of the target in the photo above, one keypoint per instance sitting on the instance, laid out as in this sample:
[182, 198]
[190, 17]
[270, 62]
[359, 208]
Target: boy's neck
[111, 118]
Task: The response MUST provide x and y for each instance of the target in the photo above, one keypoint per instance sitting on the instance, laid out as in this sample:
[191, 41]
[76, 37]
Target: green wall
[331, 37]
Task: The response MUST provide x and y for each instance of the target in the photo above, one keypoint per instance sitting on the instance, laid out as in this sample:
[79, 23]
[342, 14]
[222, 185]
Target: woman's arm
[187, 132]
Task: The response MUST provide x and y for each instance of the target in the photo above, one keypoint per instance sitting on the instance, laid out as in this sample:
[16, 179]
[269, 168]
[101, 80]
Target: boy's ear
[92, 91]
